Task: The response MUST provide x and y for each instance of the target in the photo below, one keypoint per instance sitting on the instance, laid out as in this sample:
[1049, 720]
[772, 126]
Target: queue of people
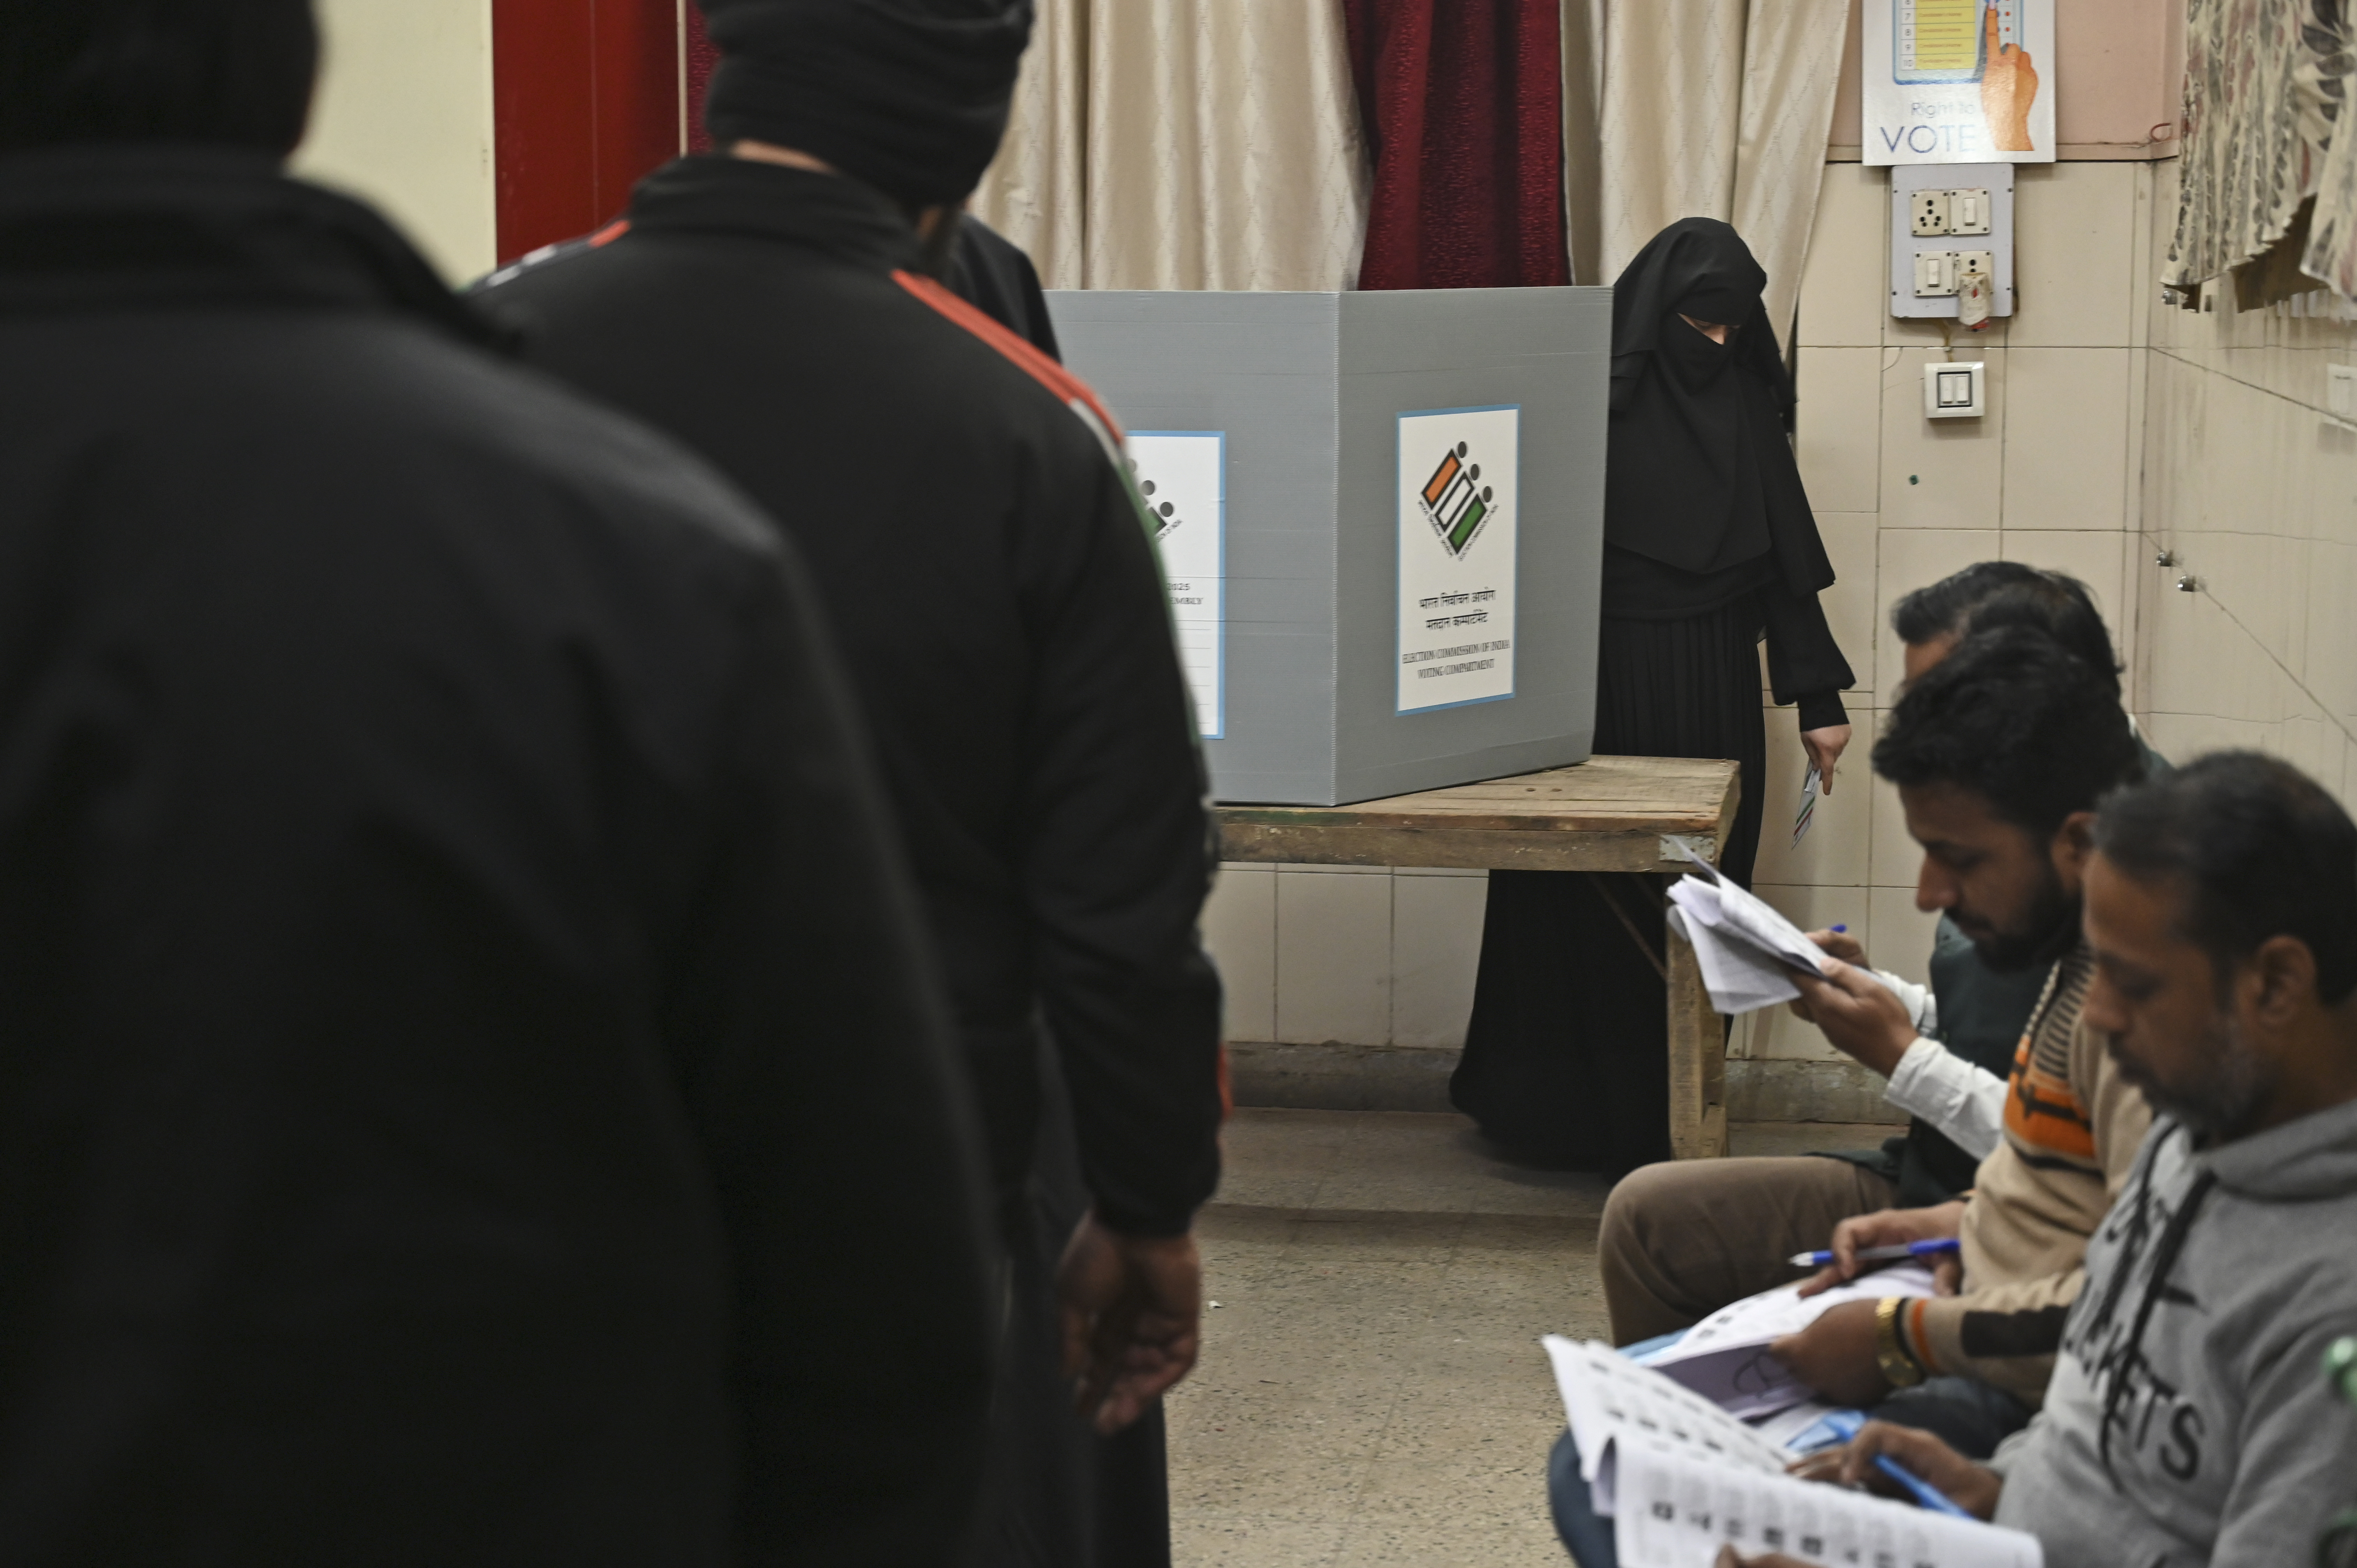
[599, 881]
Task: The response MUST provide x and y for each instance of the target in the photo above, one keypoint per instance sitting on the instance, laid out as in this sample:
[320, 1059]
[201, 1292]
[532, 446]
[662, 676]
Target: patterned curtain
[1184, 144]
[1716, 109]
[2265, 85]
[1462, 100]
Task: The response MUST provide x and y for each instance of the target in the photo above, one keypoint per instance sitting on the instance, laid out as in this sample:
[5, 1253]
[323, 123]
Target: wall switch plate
[1968, 212]
[2340, 390]
[1936, 273]
[1956, 390]
[1928, 212]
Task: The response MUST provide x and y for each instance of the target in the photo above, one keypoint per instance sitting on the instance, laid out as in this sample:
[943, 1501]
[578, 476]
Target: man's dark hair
[2259, 850]
[1990, 593]
[2018, 719]
[230, 73]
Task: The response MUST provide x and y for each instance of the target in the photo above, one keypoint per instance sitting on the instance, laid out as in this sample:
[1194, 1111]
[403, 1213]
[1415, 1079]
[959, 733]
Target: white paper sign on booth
[1959, 81]
[1457, 510]
[1182, 475]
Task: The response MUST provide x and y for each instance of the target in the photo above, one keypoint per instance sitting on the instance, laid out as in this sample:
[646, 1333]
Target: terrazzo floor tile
[1371, 1390]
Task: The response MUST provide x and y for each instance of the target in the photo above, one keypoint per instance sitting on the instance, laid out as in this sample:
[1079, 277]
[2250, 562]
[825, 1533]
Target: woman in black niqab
[1709, 546]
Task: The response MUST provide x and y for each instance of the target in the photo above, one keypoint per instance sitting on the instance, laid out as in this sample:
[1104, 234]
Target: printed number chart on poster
[1181, 474]
[1457, 522]
[1959, 81]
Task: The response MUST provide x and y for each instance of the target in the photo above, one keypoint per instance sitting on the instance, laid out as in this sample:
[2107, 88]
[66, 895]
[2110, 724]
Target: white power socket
[1929, 212]
[1937, 273]
[1976, 264]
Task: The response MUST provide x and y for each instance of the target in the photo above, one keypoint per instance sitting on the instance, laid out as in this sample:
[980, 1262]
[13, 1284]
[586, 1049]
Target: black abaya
[1710, 545]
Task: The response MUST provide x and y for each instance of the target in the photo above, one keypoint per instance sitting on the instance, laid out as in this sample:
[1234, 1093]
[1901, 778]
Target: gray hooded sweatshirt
[2188, 1421]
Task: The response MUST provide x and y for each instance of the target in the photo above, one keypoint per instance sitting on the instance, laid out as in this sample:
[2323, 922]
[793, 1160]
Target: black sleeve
[821, 1073]
[1804, 664]
[1119, 856]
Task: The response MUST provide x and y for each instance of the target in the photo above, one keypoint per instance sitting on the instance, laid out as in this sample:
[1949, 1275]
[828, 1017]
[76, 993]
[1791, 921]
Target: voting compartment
[1382, 519]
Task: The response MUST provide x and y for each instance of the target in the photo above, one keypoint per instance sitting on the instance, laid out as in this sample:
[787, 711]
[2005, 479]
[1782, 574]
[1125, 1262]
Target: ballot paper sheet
[1680, 1478]
[1746, 951]
[1724, 1358]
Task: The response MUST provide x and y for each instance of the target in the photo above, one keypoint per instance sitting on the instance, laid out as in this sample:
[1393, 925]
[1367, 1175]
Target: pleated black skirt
[1566, 1055]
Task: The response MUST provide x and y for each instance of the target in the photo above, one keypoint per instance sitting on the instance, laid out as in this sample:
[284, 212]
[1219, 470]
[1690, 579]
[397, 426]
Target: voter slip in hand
[1746, 951]
[1724, 1358]
[1680, 1478]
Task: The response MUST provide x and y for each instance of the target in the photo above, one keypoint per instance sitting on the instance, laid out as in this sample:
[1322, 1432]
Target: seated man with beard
[2188, 1422]
[2000, 752]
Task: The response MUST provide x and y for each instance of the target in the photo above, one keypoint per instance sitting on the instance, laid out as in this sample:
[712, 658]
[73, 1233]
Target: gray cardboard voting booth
[1384, 523]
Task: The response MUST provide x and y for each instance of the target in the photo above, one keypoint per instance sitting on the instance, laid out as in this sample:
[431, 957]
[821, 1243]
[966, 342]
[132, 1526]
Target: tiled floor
[1371, 1390]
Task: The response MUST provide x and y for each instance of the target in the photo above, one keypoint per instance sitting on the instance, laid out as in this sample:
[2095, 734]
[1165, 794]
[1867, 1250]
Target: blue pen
[1841, 928]
[1879, 1254]
[1842, 1427]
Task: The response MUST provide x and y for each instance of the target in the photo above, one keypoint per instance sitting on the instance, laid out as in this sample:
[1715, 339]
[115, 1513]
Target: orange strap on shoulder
[1069, 389]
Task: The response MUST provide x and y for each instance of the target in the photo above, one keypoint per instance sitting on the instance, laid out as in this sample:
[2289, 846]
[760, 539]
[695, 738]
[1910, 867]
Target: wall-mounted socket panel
[1932, 202]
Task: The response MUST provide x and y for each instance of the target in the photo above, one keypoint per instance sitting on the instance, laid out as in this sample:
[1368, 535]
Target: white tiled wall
[2107, 410]
[2252, 486]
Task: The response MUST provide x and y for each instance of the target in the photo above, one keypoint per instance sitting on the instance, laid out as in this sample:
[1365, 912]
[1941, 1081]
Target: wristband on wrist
[1891, 1354]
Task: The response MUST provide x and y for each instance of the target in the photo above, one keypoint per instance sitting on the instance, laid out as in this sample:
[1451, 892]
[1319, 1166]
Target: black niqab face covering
[1699, 474]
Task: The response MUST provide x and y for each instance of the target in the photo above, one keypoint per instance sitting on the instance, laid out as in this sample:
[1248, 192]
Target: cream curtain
[1709, 109]
[1184, 145]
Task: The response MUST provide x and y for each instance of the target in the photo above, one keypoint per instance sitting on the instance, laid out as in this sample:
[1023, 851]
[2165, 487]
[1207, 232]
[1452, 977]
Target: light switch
[1968, 212]
[1928, 211]
[1956, 390]
[2340, 390]
[1936, 273]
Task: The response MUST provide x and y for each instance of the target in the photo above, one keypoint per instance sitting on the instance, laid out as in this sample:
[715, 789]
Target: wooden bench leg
[1698, 1060]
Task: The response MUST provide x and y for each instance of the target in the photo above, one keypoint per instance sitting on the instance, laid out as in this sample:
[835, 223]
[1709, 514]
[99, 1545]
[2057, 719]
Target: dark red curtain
[1462, 102]
[584, 102]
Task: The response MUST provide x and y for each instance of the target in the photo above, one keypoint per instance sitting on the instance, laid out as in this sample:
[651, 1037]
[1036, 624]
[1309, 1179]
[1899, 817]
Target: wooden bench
[1608, 813]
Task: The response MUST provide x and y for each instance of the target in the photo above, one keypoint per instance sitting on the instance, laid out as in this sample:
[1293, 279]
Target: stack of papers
[1724, 1358]
[1746, 950]
[1679, 1479]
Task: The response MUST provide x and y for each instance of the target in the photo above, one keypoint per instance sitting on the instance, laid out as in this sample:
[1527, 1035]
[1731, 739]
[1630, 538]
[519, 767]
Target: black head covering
[1699, 474]
[910, 95]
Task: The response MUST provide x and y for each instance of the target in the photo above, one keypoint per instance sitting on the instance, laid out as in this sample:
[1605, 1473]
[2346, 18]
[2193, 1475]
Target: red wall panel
[586, 100]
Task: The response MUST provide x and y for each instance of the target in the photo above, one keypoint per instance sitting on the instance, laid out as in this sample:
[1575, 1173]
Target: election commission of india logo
[1455, 500]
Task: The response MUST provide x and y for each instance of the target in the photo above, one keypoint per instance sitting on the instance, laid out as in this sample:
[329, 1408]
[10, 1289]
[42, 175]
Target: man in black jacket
[473, 1085]
[964, 508]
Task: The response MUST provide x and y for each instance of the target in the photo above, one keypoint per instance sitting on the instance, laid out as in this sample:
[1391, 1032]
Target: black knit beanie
[910, 95]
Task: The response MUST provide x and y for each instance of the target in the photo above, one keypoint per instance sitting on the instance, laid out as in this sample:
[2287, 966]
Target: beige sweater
[2072, 1128]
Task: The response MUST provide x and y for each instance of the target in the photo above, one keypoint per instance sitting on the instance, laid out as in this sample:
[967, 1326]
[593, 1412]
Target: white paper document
[1680, 1478]
[1677, 1511]
[1182, 475]
[1724, 1358]
[1745, 949]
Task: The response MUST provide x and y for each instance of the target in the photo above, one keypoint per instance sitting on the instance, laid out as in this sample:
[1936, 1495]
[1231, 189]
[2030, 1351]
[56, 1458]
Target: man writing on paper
[2188, 1421]
[2000, 753]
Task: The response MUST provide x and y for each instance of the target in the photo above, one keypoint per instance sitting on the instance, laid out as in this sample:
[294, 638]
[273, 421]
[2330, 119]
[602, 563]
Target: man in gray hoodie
[2189, 1421]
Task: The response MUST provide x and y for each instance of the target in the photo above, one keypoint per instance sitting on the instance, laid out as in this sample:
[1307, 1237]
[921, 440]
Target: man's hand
[1892, 1228]
[1972, 1488]
[1824, 747]
[1859, 1015]
[1840, 945]
[1728, 1559]
[1132, 1319]
[2009, 87]
[1836, 1355]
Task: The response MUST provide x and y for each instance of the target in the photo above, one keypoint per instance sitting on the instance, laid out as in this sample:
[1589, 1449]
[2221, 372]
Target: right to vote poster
[1959, 81]
[1458, 505]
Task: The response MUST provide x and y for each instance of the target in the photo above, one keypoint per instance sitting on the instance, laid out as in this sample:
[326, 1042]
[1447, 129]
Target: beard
[2222, 1099]
[2047, 930]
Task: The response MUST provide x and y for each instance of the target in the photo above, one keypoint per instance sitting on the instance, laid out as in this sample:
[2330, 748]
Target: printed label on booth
[1459, 508]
